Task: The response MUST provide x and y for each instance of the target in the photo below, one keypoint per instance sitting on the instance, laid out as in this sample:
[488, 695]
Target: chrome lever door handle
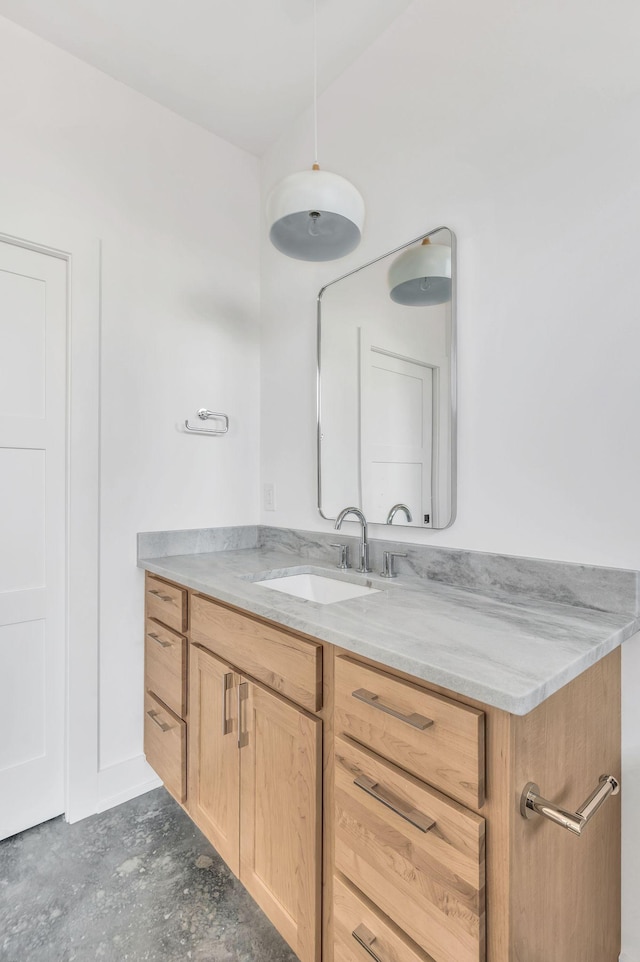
[532, 803]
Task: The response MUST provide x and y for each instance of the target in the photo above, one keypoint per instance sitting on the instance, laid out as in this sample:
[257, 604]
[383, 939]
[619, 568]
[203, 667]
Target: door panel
[22, 655]
[280, 859]
[214, 759]
[33, 335]
[396, 433]
[23, 301]
[22, 558]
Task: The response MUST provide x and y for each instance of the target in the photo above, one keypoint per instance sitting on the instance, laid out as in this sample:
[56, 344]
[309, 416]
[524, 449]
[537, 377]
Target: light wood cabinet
[165, 745]
[281, 815]
[361, 931]
[255, 783]
[214, 758]
[165, 683]
[166, 603]
[322, 776]
[280, 659]
[549, 895]
[434, 738]
[165, 654]
[415, 853]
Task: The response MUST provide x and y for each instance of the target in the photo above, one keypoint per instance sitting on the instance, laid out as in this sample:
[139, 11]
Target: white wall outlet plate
[269, 496]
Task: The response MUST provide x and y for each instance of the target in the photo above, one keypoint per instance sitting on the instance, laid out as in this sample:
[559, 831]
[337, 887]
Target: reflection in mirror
[386, 387]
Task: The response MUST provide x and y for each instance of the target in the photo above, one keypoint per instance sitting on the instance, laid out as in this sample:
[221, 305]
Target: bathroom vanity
[367, 789]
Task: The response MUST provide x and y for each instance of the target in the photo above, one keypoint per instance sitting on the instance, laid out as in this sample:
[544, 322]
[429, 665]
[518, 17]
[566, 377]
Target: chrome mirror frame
[453, 370]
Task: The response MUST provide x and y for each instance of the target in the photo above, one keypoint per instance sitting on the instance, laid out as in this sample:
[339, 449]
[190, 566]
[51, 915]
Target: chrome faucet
[364, 542]
[394, 510]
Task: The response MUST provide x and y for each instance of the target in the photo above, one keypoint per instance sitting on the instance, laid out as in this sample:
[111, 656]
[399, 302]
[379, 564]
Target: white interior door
[396, 435]
[33, 339]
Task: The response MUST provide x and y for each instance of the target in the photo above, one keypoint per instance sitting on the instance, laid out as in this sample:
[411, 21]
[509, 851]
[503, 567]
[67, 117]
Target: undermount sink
[324, 591]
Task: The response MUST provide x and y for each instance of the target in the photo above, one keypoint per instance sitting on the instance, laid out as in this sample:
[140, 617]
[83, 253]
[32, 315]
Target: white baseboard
[128, 779]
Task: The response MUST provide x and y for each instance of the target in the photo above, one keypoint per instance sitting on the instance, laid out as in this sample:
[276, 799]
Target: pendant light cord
[315, 81]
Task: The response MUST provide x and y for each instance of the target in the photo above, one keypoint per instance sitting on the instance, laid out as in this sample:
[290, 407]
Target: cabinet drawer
[356, 920]
[284, 662]
[415, 853]
[430, 736]
[165, 666]
[167, 603]
[165, 746]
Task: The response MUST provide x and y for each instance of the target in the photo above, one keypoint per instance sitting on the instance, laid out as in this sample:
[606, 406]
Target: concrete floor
[136, 883]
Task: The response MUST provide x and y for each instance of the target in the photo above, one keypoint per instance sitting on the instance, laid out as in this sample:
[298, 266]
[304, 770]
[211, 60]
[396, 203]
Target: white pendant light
[315, 215]
[421, 276]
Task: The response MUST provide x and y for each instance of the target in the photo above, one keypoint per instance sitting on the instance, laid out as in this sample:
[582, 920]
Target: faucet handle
[387, 563]
[344, 555]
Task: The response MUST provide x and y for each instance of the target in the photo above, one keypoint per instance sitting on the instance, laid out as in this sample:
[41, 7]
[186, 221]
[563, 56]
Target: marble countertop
[511, 655]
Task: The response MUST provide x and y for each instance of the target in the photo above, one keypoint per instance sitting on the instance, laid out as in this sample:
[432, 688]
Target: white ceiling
[240, 68]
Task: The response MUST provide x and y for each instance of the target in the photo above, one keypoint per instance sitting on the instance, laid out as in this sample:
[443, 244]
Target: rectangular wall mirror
[387, 387]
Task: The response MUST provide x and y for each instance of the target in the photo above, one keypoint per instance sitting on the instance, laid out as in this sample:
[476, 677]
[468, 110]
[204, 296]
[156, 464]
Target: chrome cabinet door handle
[243, 693]
[365, 938]
[414, 719]
[163, 644]
[227, 683]
[411, 815]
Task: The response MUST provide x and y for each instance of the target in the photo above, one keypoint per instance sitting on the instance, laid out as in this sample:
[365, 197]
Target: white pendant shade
[314, 215]
[421, 276]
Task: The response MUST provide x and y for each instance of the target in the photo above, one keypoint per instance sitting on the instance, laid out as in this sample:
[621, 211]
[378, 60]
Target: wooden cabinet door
[280, 812]
[214, 775]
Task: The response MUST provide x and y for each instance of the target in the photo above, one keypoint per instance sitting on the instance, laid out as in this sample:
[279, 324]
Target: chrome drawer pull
[412, 815]
[532, 803]
[164, 644]
[227, 683]
[158, 594]
[415, 720]
[162, 725]
[365, 938]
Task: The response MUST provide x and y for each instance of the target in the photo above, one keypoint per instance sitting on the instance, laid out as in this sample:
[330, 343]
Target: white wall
[176, 210]
[517, 126]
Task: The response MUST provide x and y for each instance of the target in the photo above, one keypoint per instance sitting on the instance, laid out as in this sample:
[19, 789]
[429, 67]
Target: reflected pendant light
[421, 276]
[315, 215]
